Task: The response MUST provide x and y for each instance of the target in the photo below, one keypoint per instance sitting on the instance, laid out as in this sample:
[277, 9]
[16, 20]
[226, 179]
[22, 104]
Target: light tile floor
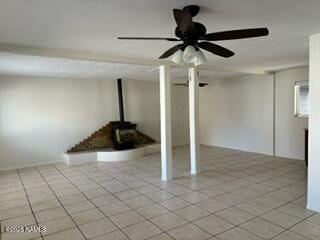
[237, 196]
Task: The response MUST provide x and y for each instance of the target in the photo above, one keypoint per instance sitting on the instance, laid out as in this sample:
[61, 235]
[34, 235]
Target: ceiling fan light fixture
[178, 57]
[200, 58]
[190, 33]
[189, 54]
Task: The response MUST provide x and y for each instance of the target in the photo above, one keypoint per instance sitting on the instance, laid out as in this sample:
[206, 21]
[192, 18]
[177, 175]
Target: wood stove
[124, 134]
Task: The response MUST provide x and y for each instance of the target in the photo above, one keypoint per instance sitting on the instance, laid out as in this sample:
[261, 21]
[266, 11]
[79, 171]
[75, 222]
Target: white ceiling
[93, 25]
[13, 64]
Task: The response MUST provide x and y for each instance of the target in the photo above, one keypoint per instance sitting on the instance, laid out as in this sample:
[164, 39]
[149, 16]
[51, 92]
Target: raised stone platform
[111, 155]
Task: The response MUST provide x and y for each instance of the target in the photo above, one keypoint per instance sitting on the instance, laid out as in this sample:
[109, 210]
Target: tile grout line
[272, 209]
[193, 222]
[234, 206]
[223, 171]
[62, 207]
[145, 218]
[88, 199]
[28, 199]
[170, 211]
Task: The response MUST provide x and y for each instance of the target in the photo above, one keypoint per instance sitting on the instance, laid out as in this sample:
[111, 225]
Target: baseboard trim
[312, 208]
[111, 156]
[30, 165]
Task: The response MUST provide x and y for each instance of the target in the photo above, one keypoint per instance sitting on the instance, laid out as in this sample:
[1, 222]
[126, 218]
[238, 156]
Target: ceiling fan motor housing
[192, 9]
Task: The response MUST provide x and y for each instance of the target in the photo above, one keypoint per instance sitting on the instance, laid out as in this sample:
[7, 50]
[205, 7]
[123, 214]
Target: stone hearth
[102, 139]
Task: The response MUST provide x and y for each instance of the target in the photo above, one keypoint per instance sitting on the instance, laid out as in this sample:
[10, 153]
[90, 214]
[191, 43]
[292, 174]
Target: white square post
[314, 124]
[165, 112]
[194, 120]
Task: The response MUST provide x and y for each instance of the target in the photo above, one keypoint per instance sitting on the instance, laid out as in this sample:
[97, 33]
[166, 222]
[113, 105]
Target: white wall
[289, 137]
[238, 113]
[149, 121]
[141, 103]
[180, 115]
[40, 118]
[314, 126]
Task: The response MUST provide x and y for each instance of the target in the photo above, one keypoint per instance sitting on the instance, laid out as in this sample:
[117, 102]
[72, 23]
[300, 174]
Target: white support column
[194, 120]
[165, 109]
[314, 125]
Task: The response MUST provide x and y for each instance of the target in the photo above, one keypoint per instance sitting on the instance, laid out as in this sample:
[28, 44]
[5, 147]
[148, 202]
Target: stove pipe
[121, 113]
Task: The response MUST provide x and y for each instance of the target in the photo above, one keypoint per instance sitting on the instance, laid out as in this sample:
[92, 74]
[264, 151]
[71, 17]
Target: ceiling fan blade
[216, 49]
[203, 84]
[184, 21]
[237, 34]
[148, 38]
[171, 51]
[187, 85]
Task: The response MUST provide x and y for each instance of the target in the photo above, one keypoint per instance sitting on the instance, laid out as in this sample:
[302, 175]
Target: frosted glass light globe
[189, 54]
[177, 57]
[200, 58]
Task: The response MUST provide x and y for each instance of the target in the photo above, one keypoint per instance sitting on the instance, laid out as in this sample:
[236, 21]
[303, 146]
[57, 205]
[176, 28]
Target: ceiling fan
[187, 84]
[194, 36]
